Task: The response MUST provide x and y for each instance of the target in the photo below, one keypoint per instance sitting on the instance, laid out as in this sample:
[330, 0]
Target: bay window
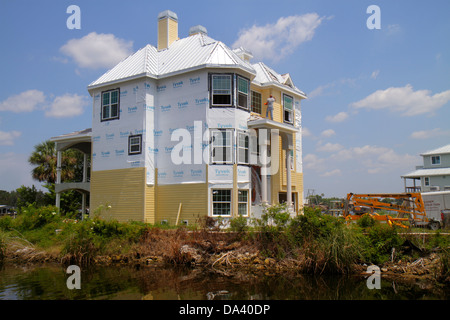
[222, 146]
[221, 90]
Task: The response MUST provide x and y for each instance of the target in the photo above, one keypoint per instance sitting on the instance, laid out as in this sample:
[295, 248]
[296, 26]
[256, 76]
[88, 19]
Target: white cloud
[97, 50]
[7, 138]
[330, 147]
[26, 101]
[335, 172]
[275, 41]
[65, 106]
[341, 116]
[404, 100]
[306, 132]
[393, 29]
[375, 159]
[328, 133]
[313, 162]
[375, 74]
[427, 134]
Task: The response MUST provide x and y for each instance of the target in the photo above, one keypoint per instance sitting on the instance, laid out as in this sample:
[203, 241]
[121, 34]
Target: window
[243, 89]
[243, 202]
[110, 105]
[221, 200]
[426, 181]
[222, 144]
[435, 160]
[243, 148]
[221, 90]
[135, 144]
[256, 102]
[288, 107]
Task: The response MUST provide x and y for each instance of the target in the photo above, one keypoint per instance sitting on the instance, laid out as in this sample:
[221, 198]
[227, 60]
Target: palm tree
[44, 158]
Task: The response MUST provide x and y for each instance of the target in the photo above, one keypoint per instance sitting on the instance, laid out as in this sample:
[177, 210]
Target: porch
[80, 140]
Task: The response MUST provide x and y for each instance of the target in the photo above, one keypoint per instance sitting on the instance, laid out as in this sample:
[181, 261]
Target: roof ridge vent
[197, 29]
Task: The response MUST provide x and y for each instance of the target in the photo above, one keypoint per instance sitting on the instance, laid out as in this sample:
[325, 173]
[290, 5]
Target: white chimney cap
[197, 29]
[168, 14]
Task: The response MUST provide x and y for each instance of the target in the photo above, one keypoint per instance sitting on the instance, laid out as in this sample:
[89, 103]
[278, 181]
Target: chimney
[167, 29]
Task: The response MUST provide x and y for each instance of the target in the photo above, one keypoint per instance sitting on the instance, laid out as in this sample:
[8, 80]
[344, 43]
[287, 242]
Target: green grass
[322, 243]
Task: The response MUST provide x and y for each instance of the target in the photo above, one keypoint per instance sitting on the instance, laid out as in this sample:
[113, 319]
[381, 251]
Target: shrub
[238, 224]
[2, 246]
[380, 240]
[366, 221]
[6, 223]
[325, 242]
[313, 225]
[33, 218]
[80, 246]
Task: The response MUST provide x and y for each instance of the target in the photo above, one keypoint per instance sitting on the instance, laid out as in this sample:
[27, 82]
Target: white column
[264, 167]
[288, 179]
[58, 178]
[83, 205]
[84, 167]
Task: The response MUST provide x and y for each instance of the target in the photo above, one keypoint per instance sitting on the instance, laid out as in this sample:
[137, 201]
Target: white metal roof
[427, 172]
[441, 150]
[267, 76]
[187, 54]
[74, 135]
[192, 52]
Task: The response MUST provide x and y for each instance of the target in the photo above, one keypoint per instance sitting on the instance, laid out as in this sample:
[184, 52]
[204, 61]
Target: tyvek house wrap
[180, 112]
[110, 138]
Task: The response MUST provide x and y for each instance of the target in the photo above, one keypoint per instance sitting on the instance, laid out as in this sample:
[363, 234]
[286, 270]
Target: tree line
[44, 162]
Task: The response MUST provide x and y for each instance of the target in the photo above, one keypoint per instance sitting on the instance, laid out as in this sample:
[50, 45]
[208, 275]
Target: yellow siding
[167, 32]
[193, 197]
[150, 205]
[162, 34]
[122, 190]
[173, 31]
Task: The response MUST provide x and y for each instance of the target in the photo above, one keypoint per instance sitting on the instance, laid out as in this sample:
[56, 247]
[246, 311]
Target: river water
[48, 282]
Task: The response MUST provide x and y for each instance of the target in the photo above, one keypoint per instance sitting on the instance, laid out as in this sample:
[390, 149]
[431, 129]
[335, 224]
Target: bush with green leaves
[33, 217]
[379, 242]
[238, 224]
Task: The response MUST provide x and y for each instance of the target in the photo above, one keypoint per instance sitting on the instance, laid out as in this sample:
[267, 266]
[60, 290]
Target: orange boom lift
[410, 213]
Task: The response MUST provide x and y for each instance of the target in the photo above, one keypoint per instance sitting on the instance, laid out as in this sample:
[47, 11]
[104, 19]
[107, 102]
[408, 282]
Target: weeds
[317, 243]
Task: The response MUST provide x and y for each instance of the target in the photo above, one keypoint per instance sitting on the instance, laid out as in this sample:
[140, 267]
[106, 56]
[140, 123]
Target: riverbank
[308, 244]
[226, 253]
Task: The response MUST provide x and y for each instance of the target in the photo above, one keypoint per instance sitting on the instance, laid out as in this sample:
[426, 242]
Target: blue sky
[377, 97]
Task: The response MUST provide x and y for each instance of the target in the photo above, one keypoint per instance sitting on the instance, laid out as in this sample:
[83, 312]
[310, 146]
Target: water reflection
[167, 283]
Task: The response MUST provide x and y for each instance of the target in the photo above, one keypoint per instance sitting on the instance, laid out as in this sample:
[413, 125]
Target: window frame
[285, 110]
[109, 105]
[245, 148]
[224, 147]
[130, 145]
[212, 94]
[426, 181]
[435, 160]
[239, 92]
[229, 202]
[246, 202]
[253, 108]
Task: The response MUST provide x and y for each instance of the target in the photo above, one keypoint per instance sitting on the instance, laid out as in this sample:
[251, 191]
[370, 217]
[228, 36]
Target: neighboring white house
[434, 174]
